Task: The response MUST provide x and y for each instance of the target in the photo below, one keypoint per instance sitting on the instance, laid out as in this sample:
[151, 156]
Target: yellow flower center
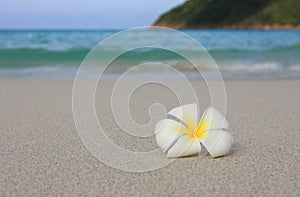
[193, 132]
[201, 130]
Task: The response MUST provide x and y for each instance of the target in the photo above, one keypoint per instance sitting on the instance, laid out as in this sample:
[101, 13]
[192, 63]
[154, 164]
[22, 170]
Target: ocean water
[238, 54]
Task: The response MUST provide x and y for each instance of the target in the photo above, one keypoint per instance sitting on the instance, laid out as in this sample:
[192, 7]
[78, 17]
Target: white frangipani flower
[184, 136]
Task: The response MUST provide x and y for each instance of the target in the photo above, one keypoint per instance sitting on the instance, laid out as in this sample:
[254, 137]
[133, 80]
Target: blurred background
[249, 39]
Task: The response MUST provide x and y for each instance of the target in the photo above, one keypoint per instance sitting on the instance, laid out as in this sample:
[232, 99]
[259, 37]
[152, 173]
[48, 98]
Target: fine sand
[42, 154]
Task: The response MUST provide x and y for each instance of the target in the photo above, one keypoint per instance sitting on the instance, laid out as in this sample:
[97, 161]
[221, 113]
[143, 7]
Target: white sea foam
[257, 67]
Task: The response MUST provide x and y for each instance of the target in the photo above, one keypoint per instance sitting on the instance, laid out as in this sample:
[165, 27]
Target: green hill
[244, 14]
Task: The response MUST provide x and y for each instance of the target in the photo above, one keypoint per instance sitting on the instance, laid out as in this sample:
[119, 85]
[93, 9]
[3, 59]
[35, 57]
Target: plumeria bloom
[184, 133]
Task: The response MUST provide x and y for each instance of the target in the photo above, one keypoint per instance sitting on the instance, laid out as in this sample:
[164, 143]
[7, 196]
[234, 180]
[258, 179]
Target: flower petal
[167, 131]
[187, 113]
[184, 146]
[217, 142]
[214, 119]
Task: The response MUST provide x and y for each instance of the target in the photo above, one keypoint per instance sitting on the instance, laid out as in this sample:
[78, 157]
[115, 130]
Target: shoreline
[229, 27]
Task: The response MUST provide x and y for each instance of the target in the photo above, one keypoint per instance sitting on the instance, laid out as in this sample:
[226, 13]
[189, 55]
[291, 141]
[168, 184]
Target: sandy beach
[42, 154]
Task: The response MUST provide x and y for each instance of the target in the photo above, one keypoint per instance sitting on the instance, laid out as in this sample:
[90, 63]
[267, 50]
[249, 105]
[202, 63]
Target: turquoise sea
[57, 54]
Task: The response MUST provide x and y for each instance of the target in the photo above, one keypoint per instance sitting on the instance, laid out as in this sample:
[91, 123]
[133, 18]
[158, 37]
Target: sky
[81, 14]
